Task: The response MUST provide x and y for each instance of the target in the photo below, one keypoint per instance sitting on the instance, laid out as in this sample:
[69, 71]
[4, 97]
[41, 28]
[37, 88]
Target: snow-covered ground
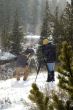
[14, 93]
[6, 55]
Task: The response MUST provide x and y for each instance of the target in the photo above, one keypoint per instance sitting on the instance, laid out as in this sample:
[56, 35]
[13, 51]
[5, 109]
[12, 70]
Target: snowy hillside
[14, 93]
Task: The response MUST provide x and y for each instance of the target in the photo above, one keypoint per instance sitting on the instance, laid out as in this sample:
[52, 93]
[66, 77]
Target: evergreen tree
[45, 31]
[72, 2]
[41, 100]
[57, 103]
[68, 22]
[58, 32]
[64, 101]
[5, 39]
[66, 68]
[16, 37]
[5, 24]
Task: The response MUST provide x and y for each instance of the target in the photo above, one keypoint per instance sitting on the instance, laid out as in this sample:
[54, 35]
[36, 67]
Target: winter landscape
[36, 54]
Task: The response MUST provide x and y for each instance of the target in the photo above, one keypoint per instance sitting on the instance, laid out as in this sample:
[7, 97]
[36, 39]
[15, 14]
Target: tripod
[39, 67]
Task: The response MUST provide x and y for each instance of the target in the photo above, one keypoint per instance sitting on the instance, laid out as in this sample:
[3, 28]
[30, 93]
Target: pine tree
[66, 72]
[57, 103]
[68, 22]
[58, 32]
[16, 37]
[5, 24]
[72, 2]
[5, 39]
[41, 100]
[45, 31]
[66, 69]
[64, 101]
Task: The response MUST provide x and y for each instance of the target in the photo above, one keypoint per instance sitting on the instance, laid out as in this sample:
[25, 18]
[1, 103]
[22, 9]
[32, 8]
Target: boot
[52, 76]
[48, 78]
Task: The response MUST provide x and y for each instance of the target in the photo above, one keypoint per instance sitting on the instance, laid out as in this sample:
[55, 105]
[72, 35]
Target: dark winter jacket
[22, 61]
[49, 52]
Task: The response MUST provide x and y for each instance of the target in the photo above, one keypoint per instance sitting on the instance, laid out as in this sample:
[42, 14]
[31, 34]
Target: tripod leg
[38, 71]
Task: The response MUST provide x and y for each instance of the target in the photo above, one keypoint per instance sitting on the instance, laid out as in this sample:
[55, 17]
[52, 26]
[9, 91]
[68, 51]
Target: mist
[30, 13]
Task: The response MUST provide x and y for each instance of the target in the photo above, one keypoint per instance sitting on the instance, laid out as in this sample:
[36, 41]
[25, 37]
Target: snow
[14, 93]
[6, 55]
[33, 37]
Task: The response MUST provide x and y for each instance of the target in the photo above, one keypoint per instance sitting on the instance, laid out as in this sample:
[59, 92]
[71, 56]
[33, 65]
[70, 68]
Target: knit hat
[45, 41]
